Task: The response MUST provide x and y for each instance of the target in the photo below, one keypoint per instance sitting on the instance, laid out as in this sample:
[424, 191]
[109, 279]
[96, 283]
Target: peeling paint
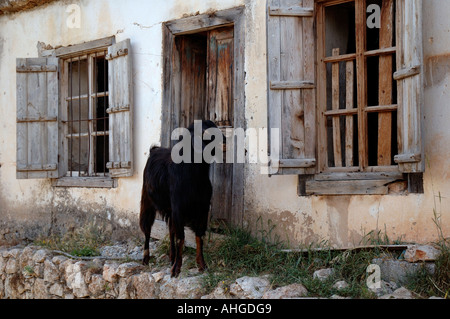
[28, 208]
[437, 69]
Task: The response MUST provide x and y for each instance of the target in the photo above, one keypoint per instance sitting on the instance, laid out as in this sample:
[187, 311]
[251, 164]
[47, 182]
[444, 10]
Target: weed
[29, 270]
[241, 254]
[437, 284]
[82, 242]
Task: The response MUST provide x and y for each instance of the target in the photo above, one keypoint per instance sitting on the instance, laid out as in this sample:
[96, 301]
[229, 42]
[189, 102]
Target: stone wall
[36, 273]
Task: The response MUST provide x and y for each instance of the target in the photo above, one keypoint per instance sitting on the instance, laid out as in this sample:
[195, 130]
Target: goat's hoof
[146, 260]
[175, 271]
[202, 267]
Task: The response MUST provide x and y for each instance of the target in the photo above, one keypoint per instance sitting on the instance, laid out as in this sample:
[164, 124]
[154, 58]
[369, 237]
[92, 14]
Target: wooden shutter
[410, 86]
[37, 118]
[291, 86]
[120, 109]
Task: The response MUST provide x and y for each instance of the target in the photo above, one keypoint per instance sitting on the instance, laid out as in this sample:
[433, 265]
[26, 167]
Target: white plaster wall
[139, 20]
[340, 220]
[345, 220]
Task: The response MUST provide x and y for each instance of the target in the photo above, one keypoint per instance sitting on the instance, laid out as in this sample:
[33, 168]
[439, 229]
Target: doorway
[206, 93]
[204, 80]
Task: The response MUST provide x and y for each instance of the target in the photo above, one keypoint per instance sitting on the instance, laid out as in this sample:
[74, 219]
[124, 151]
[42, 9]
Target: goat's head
[206, 134]
[202, 142]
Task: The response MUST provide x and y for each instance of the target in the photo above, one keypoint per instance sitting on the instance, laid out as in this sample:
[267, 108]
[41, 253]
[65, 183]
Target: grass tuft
[82, 242]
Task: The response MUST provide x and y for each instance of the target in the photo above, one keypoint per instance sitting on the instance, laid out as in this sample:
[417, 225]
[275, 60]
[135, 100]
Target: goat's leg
[172, 250]
[176, 268]
[146, 220]
[179, 236]
[199, 258]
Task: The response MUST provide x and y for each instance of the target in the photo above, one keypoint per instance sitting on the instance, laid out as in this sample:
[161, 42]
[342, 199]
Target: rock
[136, 253]
[93, 267]
[13, 253]
[416, 253]
[341, 285]
[3, 252]
[128, 269]
[97, 285]
[57, 290]
[286, 292]
[40, 255]
[11, 266]
[75, 279]
[79, 286]
[125, 288]
[185, 288]
[2, 288]
[384, 288]
[116, 251]
[145, 286]
[26, 256]
[338, 297]
[398, 270]
[158, 276]
[58, 260]
[110, 272]
[220, 292]
[39, 289]
[250, 287]
[51, 271]
[13, 286]
[323, 274]
[401, 293]
[3, 262]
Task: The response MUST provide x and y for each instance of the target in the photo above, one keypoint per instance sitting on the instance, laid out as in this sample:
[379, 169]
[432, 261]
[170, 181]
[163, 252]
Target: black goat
[181, 193]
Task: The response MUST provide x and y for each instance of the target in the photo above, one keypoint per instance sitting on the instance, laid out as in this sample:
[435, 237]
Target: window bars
[88, 122]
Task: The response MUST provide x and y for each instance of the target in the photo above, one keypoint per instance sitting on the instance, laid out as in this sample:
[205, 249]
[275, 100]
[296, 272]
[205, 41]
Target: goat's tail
[148, 212]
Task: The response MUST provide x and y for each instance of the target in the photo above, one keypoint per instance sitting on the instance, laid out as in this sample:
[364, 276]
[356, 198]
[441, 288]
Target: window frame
[281, 14]
[362, 109]
[41, 126]
[65, 54]
[92, 97]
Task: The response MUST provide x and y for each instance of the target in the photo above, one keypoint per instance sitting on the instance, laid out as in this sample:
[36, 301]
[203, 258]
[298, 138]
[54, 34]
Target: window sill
[353, 184]
[86, 182]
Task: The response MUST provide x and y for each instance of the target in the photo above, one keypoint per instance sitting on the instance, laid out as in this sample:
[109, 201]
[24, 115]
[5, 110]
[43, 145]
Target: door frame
[172, 76]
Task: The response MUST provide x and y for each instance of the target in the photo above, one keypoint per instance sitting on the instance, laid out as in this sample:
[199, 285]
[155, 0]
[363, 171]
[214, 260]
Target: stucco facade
[29, 208]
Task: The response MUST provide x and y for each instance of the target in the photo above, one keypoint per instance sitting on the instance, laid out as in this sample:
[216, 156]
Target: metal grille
[88, 122]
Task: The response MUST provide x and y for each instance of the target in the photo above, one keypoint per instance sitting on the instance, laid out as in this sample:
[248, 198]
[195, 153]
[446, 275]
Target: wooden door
[193, 78]
[206, 93]
[220, 109]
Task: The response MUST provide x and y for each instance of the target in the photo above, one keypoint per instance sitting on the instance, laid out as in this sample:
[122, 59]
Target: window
[357, 101]
[74, 115]
[346, 96]
[86, 97]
